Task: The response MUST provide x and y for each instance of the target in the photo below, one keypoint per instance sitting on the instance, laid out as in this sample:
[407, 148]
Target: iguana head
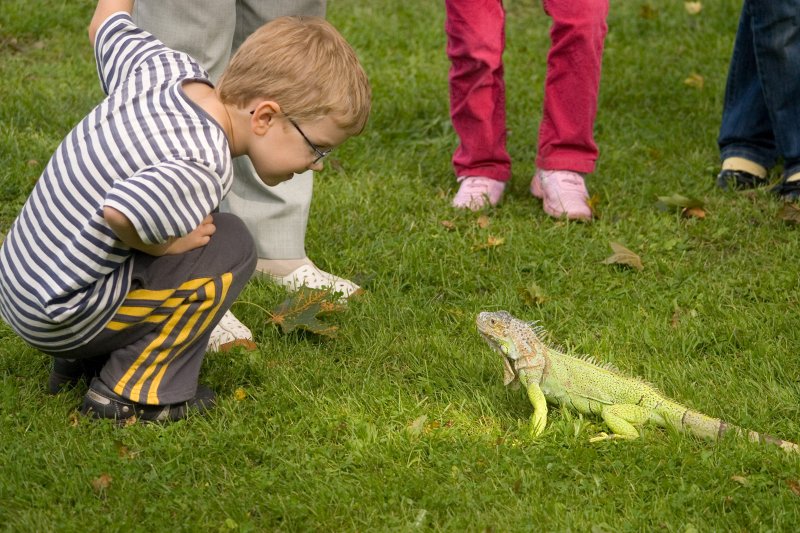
[507, 335]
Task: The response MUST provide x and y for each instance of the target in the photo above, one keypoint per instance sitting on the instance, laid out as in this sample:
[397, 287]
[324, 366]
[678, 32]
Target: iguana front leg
[539, 416]
[621, 419]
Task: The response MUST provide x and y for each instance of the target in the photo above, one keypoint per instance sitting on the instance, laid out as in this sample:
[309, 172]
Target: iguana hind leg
[621, 420]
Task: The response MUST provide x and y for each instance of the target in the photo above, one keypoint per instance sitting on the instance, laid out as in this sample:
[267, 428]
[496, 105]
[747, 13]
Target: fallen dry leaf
[695, 80]
[693, 8]
[302, 309]
[790, 213]
[491, 242]
[483, 221]
[448, 225]
[124, 451]
[693, 212]
[623, 256]
[676, 318]
[101, 484]
[741, 480]
[240, 394]
[74, 418]
[794, 485]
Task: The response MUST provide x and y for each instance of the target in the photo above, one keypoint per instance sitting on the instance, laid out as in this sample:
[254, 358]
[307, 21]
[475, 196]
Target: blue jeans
[761, 115]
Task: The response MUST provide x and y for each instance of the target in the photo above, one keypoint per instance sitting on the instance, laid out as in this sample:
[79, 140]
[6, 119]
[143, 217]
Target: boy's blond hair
[306, 67]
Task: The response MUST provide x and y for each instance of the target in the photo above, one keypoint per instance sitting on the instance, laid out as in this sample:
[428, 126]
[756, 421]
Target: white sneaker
[230, 333]
[314, 278]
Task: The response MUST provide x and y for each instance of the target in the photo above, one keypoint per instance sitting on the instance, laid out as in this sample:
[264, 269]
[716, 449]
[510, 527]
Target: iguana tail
[707, 427]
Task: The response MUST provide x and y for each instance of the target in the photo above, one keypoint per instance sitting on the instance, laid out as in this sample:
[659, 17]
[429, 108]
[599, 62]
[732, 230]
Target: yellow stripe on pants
[179, 307]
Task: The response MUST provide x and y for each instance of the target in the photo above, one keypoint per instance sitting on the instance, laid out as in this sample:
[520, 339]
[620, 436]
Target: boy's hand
[197, 238]
[126, 232]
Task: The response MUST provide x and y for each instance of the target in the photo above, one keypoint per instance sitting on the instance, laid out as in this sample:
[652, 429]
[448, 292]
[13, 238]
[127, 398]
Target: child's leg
[566, 139]
[157, 339]
[475, 43]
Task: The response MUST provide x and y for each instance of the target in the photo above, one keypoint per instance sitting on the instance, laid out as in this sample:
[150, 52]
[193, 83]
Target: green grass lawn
[402, 422]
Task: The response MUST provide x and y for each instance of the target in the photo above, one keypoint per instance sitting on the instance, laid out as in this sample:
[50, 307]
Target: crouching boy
[118, 265]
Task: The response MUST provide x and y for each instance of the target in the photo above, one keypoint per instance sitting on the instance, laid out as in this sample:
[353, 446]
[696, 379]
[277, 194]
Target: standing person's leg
[204, 29]
[777, 47]
[157, 340]
[475, 43]
[566, 134]
[277, 216]
[746, 140]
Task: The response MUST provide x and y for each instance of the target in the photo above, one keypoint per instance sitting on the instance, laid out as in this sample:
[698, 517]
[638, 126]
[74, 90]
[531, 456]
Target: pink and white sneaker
[563, 193]
[476, 192]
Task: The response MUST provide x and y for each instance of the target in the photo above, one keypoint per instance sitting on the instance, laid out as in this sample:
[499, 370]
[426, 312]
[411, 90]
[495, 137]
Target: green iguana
[578, 382]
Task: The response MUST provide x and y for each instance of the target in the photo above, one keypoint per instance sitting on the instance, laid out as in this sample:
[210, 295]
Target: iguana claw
[605, 436]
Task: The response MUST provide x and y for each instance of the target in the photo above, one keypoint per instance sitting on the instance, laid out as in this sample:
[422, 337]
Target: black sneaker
[739, 179]
[102, 402]
[68, 373]
[787, 190]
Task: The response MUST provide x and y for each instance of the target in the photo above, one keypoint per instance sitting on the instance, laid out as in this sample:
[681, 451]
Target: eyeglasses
[320, 153]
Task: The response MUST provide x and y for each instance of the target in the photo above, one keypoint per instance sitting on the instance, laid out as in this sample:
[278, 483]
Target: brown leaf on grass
[491, 242]
[790, 213]
[73, 419]
[693, 212]
[695, 81]
[32, 163]
[101, 484]
[301, 309]
[483, 221]
[741, 480]
[449, 225]
[623, 256]
[124, 451]
[676, 318]
[690, 207]
[794, 485]
[693, 8]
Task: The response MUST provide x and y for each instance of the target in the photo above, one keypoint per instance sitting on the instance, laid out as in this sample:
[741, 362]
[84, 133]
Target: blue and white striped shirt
[147, 151]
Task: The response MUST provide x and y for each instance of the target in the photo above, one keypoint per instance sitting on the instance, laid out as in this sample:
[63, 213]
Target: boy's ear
[263, 116]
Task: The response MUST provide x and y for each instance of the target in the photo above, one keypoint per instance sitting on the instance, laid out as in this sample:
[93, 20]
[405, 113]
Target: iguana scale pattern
[623, 402]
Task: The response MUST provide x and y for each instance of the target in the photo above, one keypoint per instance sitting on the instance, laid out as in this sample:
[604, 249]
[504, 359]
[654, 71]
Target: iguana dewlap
[623, 402]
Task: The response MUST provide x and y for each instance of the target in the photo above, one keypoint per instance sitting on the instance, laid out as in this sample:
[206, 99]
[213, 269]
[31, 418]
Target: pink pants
[475, 44]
